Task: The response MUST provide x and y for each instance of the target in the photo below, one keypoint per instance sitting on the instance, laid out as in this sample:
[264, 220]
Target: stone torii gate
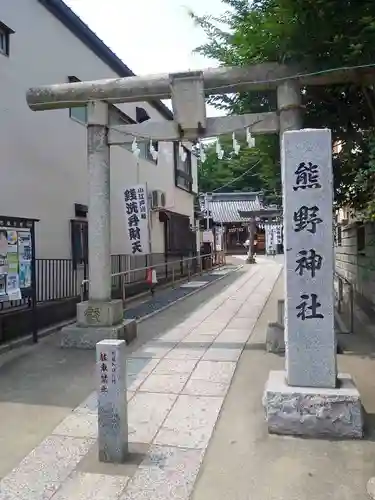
[101, 318]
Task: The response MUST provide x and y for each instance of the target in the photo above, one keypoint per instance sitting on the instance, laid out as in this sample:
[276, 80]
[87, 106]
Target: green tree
[250, 170]
[318, 34]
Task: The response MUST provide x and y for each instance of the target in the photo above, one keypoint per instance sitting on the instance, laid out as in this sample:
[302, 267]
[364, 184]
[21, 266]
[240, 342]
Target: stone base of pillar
[313, 412]
[86, 337]
[275, 342]
[98, 313]
[251, 260]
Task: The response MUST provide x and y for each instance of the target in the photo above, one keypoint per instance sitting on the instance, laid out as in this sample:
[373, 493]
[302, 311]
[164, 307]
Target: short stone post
[112, 402]
[309, 398]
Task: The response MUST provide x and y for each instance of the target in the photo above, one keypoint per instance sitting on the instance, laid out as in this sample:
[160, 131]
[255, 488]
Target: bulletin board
[17, 262]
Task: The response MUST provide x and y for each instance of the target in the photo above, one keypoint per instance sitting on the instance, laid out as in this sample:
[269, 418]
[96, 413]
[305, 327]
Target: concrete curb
[28, 340]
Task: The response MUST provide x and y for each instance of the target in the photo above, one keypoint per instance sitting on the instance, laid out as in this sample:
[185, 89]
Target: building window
[78, 114]
[361, 239]
[183, 171]
[145, 150]
[141, 115]
[79, 241]
[179, 239]
[5, 33]
[80, 211]
[115, 115]
[144, 147]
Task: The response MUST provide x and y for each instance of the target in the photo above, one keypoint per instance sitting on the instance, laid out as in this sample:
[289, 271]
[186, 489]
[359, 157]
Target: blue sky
[150, 36]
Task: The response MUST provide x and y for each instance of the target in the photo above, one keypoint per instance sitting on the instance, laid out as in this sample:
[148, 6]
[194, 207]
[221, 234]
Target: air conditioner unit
[158, 199]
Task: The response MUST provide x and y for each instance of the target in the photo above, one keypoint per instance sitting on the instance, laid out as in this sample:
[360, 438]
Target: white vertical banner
[279, 234]
[219, 239]
[137, 219]
[273, 237]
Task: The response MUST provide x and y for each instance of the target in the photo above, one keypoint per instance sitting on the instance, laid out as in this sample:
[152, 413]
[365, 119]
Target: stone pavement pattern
[176, 387]
[244, 462]
[41, 384]
[166, 297]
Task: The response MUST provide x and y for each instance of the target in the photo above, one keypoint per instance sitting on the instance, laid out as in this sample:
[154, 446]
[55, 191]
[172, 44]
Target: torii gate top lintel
[214, 81]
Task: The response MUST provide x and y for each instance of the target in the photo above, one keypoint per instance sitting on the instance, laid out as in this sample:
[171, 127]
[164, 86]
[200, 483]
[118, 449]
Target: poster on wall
[25, 274]
[12, 285]
[3, 264]
[137, 219]
[3, 251]
[15, 263]
[3, 287]
[24, 246]
[24, 258]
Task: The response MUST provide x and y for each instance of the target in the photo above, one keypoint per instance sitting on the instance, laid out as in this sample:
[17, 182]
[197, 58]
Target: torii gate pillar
[100, 317]
[289, 106]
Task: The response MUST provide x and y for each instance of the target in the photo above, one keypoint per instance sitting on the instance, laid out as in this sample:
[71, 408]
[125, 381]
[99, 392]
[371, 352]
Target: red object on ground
[149, 276]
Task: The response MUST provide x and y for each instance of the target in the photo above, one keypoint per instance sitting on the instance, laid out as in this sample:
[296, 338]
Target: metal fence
[60, 279]
[344, 300]
[56, 279]
[125, 272]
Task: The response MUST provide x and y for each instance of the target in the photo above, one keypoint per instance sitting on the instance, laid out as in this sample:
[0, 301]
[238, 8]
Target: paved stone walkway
[166, 297]
[176, 387]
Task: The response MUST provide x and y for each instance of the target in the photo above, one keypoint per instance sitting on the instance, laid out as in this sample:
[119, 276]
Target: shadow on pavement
[47, 375]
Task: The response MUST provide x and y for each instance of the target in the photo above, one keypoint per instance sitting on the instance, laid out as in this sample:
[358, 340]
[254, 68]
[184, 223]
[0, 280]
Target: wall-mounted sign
[208, 237]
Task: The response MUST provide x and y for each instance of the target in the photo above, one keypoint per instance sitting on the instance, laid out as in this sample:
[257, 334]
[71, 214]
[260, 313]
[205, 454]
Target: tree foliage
[318, 34]
[251, 170]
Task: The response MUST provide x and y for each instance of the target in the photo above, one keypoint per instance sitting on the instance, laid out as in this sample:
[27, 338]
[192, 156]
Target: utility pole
[207, 211]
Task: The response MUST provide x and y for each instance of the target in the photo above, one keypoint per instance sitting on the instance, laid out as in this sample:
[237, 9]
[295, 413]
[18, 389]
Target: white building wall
[43, 154]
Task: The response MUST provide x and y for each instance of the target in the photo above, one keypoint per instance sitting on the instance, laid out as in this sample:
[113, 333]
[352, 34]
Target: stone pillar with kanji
[310, 397]
[308, 201]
